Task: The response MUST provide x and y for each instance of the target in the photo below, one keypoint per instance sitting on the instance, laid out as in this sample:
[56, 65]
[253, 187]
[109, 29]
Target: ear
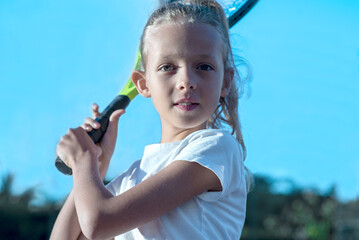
[139, 80]
[227, 81]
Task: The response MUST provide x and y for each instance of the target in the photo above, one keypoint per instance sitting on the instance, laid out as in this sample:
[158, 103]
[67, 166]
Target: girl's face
[185, 74]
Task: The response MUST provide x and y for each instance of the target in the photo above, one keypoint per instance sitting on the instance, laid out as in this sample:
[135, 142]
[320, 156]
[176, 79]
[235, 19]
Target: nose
[186, 81]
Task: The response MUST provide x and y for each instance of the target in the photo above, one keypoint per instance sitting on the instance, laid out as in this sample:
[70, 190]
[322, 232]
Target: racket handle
[120, 102]
[62, 167]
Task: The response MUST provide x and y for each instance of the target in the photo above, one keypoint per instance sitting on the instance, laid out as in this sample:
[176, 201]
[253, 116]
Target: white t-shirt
[210, 215]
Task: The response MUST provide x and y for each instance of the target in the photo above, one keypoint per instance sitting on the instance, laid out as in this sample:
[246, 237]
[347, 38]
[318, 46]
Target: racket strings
[230, 6]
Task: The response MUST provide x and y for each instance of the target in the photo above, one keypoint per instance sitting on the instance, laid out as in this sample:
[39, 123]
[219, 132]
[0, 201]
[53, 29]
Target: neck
[176, 134]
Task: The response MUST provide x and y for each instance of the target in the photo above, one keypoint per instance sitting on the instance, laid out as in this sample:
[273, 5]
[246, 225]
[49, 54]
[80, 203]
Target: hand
[108, 141]
[77, 149]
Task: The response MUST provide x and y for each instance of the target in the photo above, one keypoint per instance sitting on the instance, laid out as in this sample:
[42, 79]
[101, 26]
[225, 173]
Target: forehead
[171, 39]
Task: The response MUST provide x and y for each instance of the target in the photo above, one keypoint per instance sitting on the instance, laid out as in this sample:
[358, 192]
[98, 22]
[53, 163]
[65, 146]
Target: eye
[205, 67]
[166, 68]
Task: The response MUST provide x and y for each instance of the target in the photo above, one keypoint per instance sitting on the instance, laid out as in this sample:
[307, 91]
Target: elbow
[91, 226]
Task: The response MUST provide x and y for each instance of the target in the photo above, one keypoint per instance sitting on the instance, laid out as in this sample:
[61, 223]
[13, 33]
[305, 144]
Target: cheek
[215, 87]
[211, 96]
[160, 92]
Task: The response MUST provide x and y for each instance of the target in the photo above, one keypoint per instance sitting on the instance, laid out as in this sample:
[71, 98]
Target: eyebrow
[171, 56]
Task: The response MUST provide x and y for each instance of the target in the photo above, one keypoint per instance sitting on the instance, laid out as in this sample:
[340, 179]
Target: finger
[62, 147]
[61, 155]
[95, 111]
[90, 124]
[87, 127]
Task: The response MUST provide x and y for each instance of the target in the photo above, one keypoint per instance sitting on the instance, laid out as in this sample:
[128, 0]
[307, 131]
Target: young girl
[192, 184]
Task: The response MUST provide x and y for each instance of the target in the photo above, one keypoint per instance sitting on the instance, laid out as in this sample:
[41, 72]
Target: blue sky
[301, 120]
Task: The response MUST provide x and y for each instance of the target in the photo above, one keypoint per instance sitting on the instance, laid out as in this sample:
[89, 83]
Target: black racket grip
[120, 102]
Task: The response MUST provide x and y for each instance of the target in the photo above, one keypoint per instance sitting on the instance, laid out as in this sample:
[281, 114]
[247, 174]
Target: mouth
[186, 104]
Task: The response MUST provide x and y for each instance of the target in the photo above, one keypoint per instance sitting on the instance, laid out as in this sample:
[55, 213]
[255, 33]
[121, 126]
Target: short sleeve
[124, 181]
[220, 152]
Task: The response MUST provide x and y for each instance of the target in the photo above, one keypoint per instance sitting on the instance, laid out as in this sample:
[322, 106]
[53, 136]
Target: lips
[186, 104]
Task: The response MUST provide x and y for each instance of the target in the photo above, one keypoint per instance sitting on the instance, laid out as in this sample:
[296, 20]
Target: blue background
[300, 121]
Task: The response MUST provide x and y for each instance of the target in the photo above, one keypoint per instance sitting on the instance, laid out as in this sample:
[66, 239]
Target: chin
[193, 125]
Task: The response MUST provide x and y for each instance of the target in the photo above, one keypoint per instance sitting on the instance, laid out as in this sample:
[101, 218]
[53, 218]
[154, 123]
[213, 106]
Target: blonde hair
[206, 12]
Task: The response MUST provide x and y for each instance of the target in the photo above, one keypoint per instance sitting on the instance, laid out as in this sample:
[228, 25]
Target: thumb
[113, 122]
[115, 116]
[108, 141]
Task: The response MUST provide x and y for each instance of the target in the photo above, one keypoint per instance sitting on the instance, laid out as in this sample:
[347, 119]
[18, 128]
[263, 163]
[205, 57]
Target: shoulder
[212, 148]
[218, 151]
[219, 139]
[210, 133]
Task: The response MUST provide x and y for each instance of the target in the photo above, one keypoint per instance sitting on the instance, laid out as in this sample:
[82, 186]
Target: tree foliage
[297, 213]
[19, 219]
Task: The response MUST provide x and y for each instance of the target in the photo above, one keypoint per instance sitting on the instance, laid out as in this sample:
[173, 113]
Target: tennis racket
[235, 10]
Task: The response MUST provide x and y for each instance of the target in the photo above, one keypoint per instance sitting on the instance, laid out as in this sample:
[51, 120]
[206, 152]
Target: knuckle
[87, 127]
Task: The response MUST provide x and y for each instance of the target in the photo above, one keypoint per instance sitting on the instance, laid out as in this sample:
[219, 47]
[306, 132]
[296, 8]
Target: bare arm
[101, 215]
[66, 225]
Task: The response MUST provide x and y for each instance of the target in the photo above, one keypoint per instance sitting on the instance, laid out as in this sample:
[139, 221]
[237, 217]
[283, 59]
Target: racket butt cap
[62, 167]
